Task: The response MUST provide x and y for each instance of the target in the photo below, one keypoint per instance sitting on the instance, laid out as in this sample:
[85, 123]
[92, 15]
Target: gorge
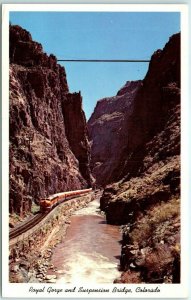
[145, 194]
[130, 145]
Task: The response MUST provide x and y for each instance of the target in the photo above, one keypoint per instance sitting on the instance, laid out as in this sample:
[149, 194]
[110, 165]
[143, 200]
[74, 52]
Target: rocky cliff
[49, 150]
[146, 196]
[108, 133]
[151, 106]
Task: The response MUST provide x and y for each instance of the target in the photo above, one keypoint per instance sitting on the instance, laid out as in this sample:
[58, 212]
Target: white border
[96, 7]
[167, 290]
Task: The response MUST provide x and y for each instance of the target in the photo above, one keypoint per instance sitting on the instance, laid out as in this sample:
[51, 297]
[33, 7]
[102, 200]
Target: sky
[100, 35]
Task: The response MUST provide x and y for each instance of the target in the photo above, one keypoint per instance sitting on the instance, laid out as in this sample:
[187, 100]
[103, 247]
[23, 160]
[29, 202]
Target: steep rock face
[107, 131]
[154, 125]
[158, 178]
[42, 161]
[76, 132]
[147, 197]
[151, 106]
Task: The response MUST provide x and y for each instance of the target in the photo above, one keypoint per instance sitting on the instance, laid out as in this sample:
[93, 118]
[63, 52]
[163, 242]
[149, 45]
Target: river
[90, 251]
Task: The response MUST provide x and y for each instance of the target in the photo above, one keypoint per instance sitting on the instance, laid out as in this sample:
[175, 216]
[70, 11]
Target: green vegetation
[35, 208]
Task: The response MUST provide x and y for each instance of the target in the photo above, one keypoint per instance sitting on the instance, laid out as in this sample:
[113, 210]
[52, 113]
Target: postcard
[95, 115]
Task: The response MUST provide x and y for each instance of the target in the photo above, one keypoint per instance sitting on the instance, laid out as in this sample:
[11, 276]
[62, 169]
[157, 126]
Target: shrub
[149, 223]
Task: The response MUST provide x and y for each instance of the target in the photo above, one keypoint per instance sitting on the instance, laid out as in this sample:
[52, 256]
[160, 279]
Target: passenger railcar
[53, 200]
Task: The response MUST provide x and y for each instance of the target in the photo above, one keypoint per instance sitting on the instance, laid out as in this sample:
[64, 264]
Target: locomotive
[53, 200]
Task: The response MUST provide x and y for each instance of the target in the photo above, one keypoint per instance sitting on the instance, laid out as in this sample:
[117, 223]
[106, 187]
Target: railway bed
[38, 218]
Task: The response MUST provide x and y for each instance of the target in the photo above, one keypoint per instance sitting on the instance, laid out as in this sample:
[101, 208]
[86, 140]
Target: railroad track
[13, 233]
[27, 225]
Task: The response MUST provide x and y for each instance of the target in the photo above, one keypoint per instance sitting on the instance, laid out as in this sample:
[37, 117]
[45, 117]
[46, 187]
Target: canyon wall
[154, 125]
[146, 194]
[108, 133]
[76, 132]
[158, 94]
[121, 125]
[44, 121]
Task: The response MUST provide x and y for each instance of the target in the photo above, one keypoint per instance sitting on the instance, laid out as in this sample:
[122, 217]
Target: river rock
[33, 279]
[132, 265]
[49, 277]
[14, 269]
[24, 264]
[51, 280]
[68, 222]
[139, 262]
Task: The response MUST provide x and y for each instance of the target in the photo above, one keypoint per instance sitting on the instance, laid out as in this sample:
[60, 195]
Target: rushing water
[90, 251]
